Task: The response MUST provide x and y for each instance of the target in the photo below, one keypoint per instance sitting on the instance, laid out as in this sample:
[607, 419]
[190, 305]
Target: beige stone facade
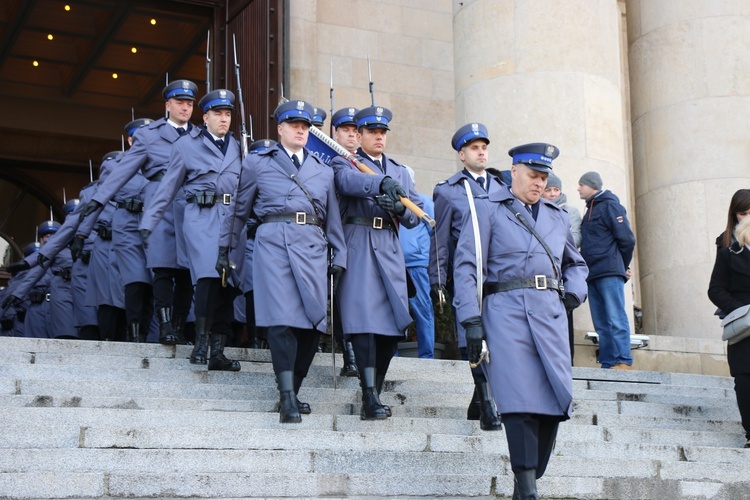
[650, 93]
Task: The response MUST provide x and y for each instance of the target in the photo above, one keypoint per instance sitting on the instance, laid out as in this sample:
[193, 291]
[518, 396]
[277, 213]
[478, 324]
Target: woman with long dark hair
[730, 289]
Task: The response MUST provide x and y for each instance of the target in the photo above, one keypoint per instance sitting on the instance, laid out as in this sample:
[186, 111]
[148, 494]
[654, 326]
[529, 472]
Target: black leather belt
[373, 222]
[207, 199]
[131, 205]
[300, 218]
[64, 273]
[38, 297]
[104, 233]
[538, 282]
[158, 176]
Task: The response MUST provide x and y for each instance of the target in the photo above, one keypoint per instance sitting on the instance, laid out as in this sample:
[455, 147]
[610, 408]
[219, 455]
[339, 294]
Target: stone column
[690, 98]
[548, 71]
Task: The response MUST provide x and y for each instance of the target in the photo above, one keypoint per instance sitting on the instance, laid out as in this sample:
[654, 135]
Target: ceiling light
[153, 22]
[50, 37]
[67, 8]
[114, 75]
[35, 63]
[133, 50]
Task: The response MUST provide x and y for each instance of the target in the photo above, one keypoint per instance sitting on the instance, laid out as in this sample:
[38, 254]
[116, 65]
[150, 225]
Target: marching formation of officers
[184, 222]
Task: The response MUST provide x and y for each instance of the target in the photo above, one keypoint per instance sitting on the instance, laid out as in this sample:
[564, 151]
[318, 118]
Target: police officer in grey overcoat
[522, 317]
[205, 164]
[373, 300]
[471, 141]
[292, 194]
[150, 154]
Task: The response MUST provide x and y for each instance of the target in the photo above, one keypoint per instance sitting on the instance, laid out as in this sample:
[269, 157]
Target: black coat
[728, 290]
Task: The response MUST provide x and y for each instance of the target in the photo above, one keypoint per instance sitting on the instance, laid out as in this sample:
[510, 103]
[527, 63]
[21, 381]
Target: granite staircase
[112, 420]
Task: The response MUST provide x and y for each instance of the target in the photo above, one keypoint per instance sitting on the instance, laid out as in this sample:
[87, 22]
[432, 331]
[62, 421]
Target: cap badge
[185, 85]
[549, 151]
[379, 111]
[351, 111]
[300, 105]
[475, 128]
[223, 94]
[267, 143]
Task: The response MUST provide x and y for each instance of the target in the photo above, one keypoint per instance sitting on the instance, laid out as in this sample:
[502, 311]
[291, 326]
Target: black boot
[200, 349]
[350, 362]
[524, 485]
[475, 406]
[304, 408]
[134, 332]
[166, 334]
[379, 382]
[178, 327]
[288, 411]
[488, 419]
[371, 407]
[218, 361]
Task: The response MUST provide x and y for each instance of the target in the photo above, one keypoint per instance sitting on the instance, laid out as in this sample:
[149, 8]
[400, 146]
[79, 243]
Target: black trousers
[571, 337]
[111, 322]
[173, 288]
[742, 391]
[531, 438]
[373, 350]
[252, 330]
[215, 303]
[139, 305]
[292, 349]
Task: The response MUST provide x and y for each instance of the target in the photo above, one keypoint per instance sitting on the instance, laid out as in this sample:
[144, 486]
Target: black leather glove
[570, 302]
[20, 314]
[392, 188]
[76, 247]
[41, 260]
[222, 262]
[17, 267]
[386, 203]
[11, 301]
[89, 209]
[474, 337]
[336, 272]
[6, 324]
[145, 233]
[435, 294]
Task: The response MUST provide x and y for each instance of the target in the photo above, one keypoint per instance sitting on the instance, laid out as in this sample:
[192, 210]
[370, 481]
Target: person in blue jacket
[607, 244]
[416, 244]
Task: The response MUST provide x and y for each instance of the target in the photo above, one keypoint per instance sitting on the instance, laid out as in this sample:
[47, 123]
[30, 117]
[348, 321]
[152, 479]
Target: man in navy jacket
[607, 247]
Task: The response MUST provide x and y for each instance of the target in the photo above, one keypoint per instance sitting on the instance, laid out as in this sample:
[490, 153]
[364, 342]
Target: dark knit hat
[592, 180]
[554, 181]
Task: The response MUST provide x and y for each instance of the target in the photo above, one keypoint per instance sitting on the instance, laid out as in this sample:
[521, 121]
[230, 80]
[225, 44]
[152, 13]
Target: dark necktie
[480, 180]
[378, 164]
[181, 131]
[295, 160]
[220, 143]
[528, 207]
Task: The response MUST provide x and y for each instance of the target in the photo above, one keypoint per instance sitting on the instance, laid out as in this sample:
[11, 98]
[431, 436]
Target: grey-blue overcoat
[373, 292]
[126, 240]
[290, 261]
[526, 328]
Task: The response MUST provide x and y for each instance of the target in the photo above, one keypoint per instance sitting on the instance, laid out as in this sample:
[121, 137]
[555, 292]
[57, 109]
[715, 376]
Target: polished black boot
[350, 362]
[475, 406]
[304, 408]
[524, 485]
[488, 419]
[371, 407]
[379, 382]
[288, 410]
[134, 333]
[218, 361]
[178, 327]
[166, 334]
[200, 349]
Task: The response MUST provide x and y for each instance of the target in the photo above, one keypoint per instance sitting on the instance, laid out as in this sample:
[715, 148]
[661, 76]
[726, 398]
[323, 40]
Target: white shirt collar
[298, 154]
[169, 120]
